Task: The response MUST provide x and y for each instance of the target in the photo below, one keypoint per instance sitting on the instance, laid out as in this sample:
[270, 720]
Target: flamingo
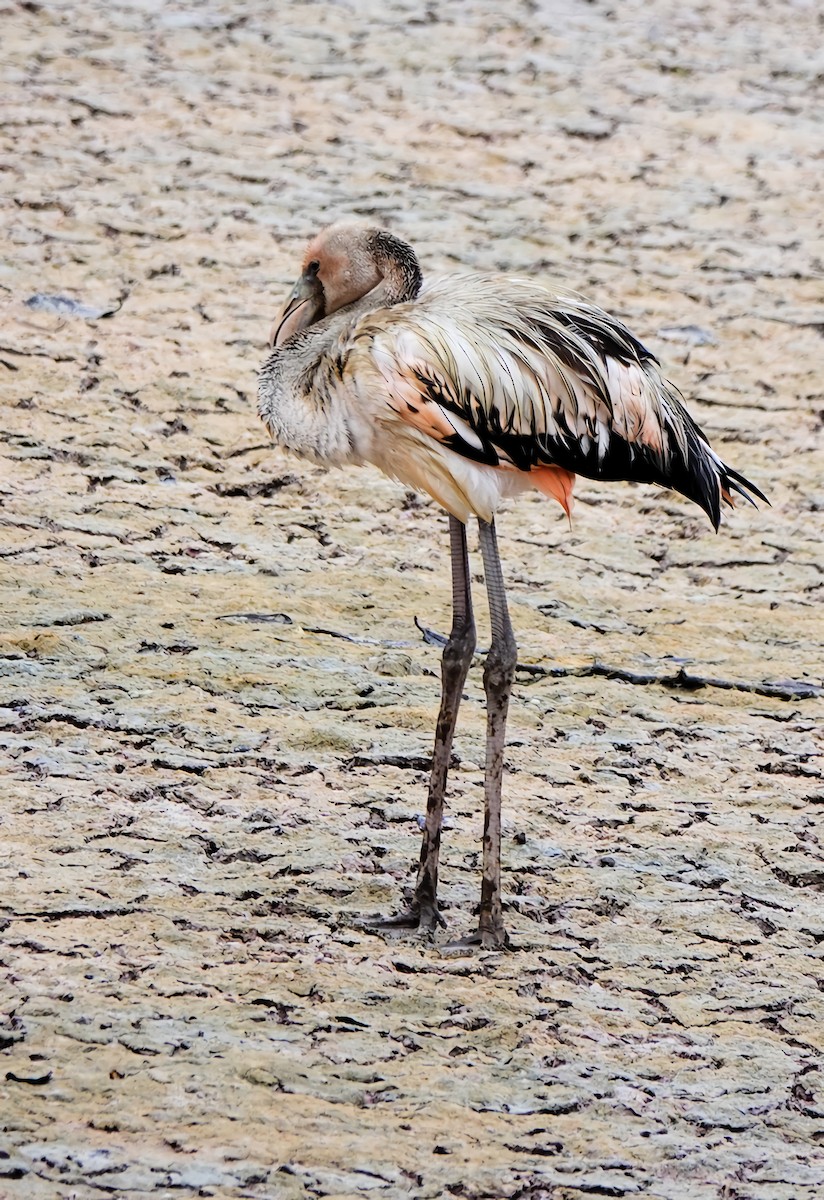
[472, 388]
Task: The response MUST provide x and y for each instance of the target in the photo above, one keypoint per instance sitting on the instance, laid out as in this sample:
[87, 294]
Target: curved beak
[304, 306]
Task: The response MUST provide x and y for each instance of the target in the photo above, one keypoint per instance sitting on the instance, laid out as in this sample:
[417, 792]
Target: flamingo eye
[313, 268]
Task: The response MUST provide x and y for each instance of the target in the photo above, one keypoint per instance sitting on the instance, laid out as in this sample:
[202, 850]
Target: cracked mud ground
[217, 709]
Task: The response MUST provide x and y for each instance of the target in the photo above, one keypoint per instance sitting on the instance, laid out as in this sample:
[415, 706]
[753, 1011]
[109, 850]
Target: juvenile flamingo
[472, 388]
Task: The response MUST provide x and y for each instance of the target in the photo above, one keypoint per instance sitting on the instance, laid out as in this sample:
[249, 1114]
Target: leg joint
[458, 651]
[501, 661]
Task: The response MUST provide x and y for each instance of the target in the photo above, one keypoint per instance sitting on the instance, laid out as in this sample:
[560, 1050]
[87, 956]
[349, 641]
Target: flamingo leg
[457, 656]
[423, 912]
[499, 673]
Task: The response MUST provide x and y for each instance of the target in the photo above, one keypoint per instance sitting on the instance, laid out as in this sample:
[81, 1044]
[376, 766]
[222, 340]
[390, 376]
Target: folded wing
[507, 373]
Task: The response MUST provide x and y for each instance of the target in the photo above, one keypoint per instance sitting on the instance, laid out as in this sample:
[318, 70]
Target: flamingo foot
[481, 939]
[423, 919]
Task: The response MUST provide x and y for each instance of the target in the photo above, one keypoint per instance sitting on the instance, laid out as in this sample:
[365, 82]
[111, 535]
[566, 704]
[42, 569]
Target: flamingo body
[478, 371]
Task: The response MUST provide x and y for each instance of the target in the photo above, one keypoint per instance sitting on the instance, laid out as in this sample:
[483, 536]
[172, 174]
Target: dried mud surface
[217, 710]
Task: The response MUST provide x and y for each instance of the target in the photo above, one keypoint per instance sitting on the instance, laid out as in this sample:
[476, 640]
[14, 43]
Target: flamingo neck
[398, 266]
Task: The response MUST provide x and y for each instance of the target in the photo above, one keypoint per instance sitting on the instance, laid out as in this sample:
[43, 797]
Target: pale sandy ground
[217, 708]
